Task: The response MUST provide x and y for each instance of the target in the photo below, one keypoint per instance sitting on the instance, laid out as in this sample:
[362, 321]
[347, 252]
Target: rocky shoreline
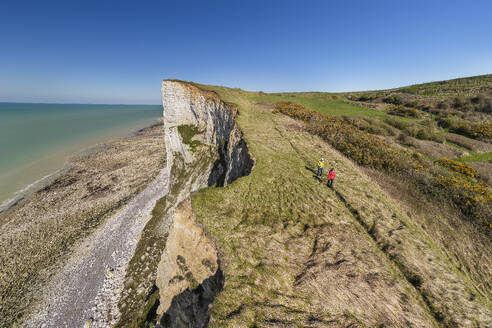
[95, 209]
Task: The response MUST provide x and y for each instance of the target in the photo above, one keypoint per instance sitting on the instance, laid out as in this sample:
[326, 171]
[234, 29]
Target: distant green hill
[462, 86]
[466, 86]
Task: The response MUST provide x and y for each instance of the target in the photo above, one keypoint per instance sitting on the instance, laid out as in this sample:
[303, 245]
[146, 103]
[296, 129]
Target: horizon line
[74, 103]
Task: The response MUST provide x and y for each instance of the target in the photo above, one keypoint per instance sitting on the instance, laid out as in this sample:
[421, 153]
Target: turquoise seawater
[36, 139]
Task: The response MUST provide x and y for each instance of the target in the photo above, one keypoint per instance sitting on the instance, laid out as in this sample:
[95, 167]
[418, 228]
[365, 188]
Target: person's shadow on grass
[314, 172]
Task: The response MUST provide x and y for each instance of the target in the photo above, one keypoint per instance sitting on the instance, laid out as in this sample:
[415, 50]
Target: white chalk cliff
[189, 272]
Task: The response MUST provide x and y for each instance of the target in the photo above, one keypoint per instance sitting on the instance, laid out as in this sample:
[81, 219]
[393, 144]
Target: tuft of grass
[456, 146]
[476, 157]
[187, 132]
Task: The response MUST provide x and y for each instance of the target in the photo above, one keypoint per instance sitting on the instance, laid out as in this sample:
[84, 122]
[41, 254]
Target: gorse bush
[482, 104]
[476, 130]
[474, 199]
[404, 111]
[458, 167]
[445, 178]
[363, 148]
[479, 103]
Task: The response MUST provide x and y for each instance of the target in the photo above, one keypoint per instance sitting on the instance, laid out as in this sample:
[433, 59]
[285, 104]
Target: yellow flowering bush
[401, 110]
[476, 130]
[363, 148]
[473, 198]
[458, 167]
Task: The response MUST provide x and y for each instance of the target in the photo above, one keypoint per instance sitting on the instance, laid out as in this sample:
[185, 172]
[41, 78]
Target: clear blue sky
[118, 51]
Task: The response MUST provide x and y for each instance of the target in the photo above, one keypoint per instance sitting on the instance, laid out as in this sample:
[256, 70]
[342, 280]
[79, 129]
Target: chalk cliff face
[185, 104]
[189, 275]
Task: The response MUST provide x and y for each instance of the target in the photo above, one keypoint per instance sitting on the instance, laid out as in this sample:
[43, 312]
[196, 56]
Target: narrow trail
[88, 287]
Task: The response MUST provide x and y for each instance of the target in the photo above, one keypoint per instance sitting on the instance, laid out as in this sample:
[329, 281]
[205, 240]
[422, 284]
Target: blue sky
[119, 51]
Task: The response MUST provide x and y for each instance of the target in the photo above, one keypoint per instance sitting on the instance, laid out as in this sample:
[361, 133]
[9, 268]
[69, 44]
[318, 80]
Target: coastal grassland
[421, 174]
[292, 249]
[473, 198]
[455, 117]
[408, 244]
[455, 87]
[284, 239]
[467, 86]
[38, 234]
[324, 103]
[416, 121]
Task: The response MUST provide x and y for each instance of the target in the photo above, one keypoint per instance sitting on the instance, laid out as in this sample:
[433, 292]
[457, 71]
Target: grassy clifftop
[296, 253]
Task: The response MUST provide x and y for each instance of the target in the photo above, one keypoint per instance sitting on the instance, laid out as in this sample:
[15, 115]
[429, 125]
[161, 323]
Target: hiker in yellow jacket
[321, 165]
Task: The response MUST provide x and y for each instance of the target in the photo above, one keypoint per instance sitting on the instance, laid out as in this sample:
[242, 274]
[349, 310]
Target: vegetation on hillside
[187, 132]
[456, 110]
[448, 180]
[462, 105]
[291, 248]
[365, 149]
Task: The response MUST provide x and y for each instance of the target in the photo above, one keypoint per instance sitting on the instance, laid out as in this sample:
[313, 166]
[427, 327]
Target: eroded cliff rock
[189, 275]
[185, 104]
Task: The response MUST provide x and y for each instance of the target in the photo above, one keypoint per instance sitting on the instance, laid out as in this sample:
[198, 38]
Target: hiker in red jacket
[331, 177]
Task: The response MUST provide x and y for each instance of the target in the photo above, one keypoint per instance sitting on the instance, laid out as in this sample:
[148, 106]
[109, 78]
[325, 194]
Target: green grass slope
[296, 253]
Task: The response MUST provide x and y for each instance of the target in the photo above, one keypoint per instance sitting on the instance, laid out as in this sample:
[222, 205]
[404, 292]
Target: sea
[37, 139]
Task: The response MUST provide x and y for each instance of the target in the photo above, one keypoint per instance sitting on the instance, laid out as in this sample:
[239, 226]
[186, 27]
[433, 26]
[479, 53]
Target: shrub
[482, 103]
[459, 102]
[479, 103]
[404, 111]
[458, 167]
[473, 198]
[442, 105]
[424, 134]
[393, 99]
[429, 131]
[368, 97]
[334, 97]
[363, 148]
[404, 139]
[399, 124]
[474, 130]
